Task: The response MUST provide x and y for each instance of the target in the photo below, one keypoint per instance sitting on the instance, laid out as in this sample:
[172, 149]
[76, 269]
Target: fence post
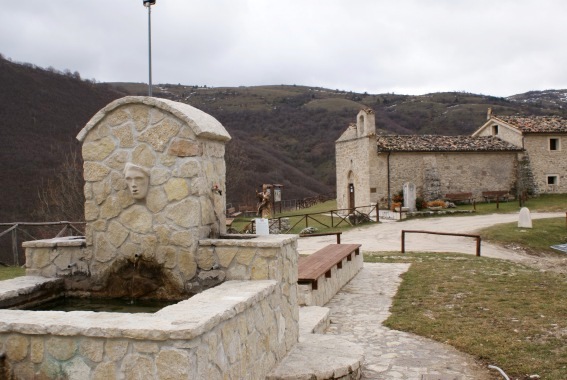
[377, 213]
[403, 241]
[478, 246]
[15, 246]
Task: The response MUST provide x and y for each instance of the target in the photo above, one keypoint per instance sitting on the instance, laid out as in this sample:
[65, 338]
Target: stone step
[320, 357]
[313, 319]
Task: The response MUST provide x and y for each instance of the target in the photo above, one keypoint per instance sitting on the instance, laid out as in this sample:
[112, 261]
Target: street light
[148, 4]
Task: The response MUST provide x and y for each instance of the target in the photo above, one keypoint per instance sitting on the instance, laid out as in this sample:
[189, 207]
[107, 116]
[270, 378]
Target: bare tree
[61, 198]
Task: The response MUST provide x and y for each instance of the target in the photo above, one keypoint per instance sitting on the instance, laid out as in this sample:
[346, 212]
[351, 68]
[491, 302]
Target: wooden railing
[347, 216]
[404, 232]
[69, 229]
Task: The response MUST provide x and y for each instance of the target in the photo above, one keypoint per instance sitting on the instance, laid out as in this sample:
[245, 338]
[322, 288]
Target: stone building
[542, 138]
[372, 168]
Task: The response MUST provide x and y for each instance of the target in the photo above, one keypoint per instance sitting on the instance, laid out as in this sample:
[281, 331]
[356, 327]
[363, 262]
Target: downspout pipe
[389, 190]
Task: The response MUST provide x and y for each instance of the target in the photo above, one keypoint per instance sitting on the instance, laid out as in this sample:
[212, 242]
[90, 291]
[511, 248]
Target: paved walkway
[387, 236]
[357, 313]
[358, 310]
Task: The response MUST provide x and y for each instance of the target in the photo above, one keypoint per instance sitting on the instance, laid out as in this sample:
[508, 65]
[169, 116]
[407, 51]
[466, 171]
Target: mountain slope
[281, 134]
[41, 113]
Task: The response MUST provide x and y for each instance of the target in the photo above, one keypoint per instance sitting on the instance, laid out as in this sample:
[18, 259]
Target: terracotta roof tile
[536, 124]
[436, 143]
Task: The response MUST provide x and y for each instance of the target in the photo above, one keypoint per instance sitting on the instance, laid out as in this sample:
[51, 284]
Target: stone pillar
[409, 196]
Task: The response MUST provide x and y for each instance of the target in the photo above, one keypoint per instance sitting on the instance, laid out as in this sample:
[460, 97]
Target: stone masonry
[378, 166]
[183, 150]
[239, 329]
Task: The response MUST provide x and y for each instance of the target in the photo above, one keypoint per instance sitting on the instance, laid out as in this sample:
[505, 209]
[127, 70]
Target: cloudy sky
[492, 47]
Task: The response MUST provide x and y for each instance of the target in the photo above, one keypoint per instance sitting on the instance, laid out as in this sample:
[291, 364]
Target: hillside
[42, 111]
[281, 134]
[286, 134]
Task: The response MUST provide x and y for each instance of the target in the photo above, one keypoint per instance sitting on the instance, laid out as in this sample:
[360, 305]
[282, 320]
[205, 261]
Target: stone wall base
[328, 287]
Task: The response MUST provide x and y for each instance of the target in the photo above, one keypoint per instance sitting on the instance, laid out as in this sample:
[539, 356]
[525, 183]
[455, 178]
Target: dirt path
[386, 236]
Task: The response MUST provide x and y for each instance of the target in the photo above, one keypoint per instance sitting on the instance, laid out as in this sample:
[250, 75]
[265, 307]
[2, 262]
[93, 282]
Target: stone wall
[270, 257]
[352, 155]
[545, 162]
[239, 329]
[327, 287]
[182, 149]
[456, 172]
[234, 331]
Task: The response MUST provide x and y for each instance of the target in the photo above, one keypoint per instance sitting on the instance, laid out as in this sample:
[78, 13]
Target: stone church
[507, 153]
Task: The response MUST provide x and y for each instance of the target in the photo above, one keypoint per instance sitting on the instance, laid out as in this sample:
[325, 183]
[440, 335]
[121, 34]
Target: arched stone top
[202, 124]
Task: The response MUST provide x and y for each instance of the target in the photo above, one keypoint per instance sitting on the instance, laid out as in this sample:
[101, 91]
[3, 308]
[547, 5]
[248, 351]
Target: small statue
[264, 204]
[137, 179]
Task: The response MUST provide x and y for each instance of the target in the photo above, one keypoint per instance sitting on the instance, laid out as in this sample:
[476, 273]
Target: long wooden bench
[503, 195]
[320, 263]
[231, 211]
[459, 197]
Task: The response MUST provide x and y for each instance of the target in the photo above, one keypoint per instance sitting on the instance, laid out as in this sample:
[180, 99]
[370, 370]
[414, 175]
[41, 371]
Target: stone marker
[262, 226]
[525, 219]
[409, 196]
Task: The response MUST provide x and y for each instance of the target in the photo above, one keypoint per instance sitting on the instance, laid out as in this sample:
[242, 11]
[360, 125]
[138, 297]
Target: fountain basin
[239, 329]
[213, 334]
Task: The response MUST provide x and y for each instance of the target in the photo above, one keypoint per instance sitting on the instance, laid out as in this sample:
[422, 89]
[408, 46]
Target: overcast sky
[492, 47]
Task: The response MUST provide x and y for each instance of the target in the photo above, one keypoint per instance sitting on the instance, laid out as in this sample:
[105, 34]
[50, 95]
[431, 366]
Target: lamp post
[148, 4]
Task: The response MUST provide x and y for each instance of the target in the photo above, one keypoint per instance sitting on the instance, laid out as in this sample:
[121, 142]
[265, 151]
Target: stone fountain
[155, 184]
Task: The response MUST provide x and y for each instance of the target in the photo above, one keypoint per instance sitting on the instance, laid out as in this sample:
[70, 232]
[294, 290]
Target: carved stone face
[137, 181]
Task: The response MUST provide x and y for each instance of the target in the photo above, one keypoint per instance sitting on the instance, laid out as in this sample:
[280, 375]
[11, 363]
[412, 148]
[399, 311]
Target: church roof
[536, 124]
[437, 143]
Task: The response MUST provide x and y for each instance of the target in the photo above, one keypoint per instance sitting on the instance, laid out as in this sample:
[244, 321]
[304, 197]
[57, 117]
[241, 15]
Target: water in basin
[115, 305]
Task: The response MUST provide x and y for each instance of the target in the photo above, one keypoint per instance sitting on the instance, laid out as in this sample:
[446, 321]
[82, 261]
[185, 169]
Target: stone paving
[357, 313]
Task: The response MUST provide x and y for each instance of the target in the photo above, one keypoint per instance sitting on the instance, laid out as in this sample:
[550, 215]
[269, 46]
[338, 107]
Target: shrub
[398, 197]
[437, 203]
[420, 203]
[395, 205]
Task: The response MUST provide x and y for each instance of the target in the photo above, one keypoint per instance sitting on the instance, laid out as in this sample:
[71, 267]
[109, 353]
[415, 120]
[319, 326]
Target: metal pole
[150, 49]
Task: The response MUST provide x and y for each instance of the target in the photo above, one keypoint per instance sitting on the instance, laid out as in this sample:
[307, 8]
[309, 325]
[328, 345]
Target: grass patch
[543, 203]
[503, 313]
[545, 232]
[7, 273]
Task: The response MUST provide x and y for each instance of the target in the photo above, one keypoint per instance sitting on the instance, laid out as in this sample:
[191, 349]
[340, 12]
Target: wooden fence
[19, 230]
[404, 232]
[338, 217]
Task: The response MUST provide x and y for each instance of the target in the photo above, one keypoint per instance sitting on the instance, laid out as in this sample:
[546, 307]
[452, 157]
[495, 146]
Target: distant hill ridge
[281, 134]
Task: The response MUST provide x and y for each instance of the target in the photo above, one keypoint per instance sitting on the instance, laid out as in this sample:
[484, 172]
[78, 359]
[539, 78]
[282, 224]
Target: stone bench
[459, 197]
[322, 274]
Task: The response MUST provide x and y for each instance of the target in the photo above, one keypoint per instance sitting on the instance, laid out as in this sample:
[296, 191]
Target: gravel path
[386, 236]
